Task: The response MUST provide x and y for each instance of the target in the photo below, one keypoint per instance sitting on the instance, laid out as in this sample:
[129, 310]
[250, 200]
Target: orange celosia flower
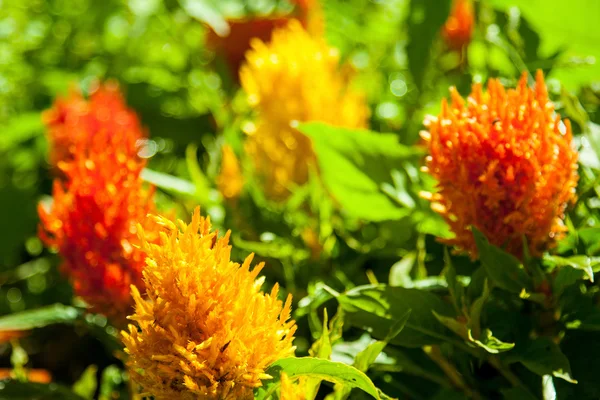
[504, 164]
[73, 121]
[291, 390]
[458, 29]
[233, 47]
[205, 330]
[230, 181]
[294, 78]
[92, 220]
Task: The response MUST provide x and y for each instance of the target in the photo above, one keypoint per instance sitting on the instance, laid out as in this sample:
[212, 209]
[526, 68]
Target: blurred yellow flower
[292, 390]
[205, 329]
[294, 78]
[230, 181]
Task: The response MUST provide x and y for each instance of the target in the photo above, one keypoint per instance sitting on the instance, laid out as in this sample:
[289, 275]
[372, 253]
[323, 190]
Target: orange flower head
[458, 29]
[230, 181]
[294, 78]
[504, 163]
[205, 329]
[73, 121]
[92, 222]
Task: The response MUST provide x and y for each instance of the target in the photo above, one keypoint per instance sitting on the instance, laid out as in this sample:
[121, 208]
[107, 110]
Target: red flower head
[96, 206]
[73, 121]
[458, 29]
[504, 164]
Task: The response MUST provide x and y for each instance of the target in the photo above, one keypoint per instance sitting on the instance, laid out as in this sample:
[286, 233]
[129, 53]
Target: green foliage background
[403, 300]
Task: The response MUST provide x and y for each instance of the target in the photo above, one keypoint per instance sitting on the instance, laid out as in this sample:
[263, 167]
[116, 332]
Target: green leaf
[112, 377]
[355, 167]
[376, 308]
[455, 287]
[477, 309]
[565, 25]
[367, 357]
[424, 25]
[326, 370]
[87, 383]
[543, 357]
[489, 343]
[168, 183]
[19, 129]
[400, 271]
[579, 262]
[40, 317]
[14, 390]
[503, 268]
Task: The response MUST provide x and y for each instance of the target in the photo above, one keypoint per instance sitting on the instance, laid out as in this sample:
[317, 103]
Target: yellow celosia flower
[294, 78]
[230, 181]
[292, 390]
[205, 329]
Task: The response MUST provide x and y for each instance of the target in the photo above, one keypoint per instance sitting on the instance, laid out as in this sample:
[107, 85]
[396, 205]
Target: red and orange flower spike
[458, 29]
[98, 200]
[504, 164]
[73, 121]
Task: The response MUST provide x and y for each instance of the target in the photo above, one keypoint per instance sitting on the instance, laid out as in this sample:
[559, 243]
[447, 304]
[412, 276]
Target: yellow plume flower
[205, 329]
[230, 181]
[294, 78]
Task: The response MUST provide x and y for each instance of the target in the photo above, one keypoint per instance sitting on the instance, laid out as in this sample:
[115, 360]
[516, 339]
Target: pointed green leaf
[543, 357]
[326, 370]
[424, 24]
[580, 262]
[40, 317]
[87, 383]
[169, 183]
[489, 343]
[376, 308]
[355, 166]
[502, 268]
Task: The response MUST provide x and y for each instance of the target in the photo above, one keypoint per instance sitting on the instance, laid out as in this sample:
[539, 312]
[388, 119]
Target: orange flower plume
[206, 330]
[458, 29]
[92, 219]
[504, 164]
[73, 121]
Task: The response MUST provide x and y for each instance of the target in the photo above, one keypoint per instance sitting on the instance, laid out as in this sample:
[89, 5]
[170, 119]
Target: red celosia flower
[504, 164]
[233, 47]
[99, 200]
[458, 29]
[74, 120]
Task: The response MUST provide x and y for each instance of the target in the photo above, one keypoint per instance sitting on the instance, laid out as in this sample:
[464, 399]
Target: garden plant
[299, 199]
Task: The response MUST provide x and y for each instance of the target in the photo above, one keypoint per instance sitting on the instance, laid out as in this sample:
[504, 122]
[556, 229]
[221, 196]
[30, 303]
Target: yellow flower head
[292, 390]
[294, 78]
[230, 181]
[205, 329]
